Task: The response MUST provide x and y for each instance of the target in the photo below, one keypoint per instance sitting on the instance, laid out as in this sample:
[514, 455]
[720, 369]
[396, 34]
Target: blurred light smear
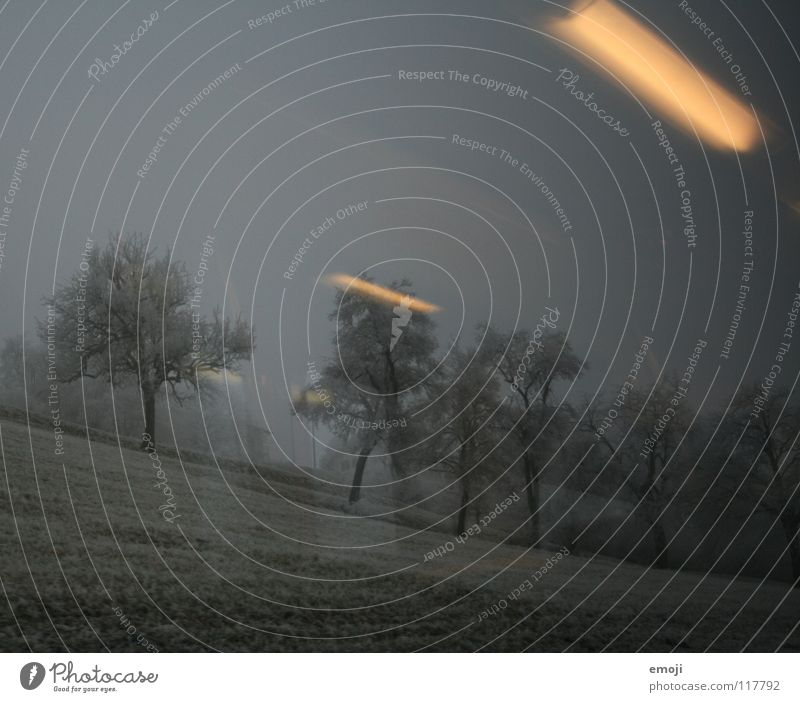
[219, 376]
[302, 398]
[659, 75]
[378, 292]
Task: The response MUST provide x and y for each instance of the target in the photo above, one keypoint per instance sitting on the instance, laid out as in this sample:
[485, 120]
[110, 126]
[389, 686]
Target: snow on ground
[269, 561]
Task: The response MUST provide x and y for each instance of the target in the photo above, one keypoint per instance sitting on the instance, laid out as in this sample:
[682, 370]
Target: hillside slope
[270, 561]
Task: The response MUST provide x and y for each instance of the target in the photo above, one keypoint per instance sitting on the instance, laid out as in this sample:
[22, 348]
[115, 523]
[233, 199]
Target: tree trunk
[355, 490]
[395, 441]
[536, 522]
[462, 512]
[791, 527]
[660, 544]
[532, 491]
[149, 436]
[653, 503]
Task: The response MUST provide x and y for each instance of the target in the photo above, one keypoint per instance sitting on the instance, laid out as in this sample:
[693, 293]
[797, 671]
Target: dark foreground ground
[270, 562]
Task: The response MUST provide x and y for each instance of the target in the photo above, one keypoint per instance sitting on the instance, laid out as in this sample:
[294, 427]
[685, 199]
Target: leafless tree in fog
[374, 377]
[127, 316]
[531, 364]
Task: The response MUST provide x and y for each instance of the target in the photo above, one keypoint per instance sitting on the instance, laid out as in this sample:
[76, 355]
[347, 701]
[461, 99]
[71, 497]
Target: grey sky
[316, 118]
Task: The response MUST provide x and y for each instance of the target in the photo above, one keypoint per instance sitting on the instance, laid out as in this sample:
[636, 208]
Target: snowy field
[242, 561]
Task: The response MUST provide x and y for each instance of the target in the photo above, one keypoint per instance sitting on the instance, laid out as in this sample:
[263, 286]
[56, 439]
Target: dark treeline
[639, 475]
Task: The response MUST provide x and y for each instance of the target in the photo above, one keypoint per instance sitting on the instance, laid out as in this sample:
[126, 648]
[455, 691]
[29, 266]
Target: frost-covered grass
[272, 561]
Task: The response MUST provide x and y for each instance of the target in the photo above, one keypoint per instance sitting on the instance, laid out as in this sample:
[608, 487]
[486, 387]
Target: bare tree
[127, 316]
[365, 393]
[469, 412]
[645, 441]
[333, 400]
[531, 363]
[771, 435]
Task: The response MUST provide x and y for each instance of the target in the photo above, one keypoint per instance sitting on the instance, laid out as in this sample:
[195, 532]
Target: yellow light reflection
[659, 75]
[309, 397]
[378, 292]
[219, 376]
